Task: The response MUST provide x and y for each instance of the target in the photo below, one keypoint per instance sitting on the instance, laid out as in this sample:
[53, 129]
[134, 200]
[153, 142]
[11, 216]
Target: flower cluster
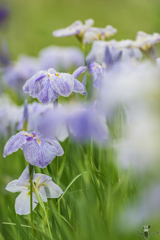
[117, 81]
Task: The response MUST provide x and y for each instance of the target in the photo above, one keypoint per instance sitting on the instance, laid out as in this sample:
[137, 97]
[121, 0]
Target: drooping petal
[33, 85]
[47, 95]
[73, 29]
[14, 143]
[78, 71]
[13, 187]
[63, 84]
[39, 153]
[22, 204]
[52, 190]
[55, 144]
[79, 88]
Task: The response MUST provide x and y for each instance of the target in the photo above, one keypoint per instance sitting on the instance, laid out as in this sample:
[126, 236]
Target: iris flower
[43, 183]
[37, 150]
[48, 85]
[76, 28]
[94, 33]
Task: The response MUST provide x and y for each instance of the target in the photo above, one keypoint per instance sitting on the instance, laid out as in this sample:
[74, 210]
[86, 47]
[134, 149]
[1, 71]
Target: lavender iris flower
[94, 33]
[76, 28]
[48, 85]
[43, 183]
[17, 74]
[37, 150]
[145, 41]
[61, 58]
[97, 72]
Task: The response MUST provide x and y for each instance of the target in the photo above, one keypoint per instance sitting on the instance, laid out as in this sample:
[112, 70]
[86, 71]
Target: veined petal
[33, 85]
[47, 95]
[78, 71]
[39, 154]
[55, 144]
[22, 204]
[14, 143]
[62, 84]
[79, 88]
[12, 187]
[52, 190]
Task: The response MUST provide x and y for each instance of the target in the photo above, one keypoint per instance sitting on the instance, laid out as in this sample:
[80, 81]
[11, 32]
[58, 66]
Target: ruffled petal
[62, 84]
[39, 153]
[47, 95]
[22, 204]
[14, 143]
[55, 144]
[34, 85]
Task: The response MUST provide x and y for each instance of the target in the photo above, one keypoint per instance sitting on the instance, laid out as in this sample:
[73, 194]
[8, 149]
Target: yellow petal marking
[31, 135]
[57, 74]
[38, 141]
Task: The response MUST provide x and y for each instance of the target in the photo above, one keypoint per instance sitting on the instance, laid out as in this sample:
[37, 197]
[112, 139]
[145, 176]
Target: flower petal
[56, 144]
[24, 179]
[12, 187]
[79, 88]
[14, 143]
[63, 84]
[78, 71]
[52, 190]
[47, 95]
[33, 85]
[22, 204]
[39, 154]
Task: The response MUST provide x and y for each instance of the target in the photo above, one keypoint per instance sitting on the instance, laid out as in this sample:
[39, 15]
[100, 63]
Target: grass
[95, 189]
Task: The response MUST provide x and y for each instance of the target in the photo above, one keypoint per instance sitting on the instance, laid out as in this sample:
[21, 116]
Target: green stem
[43, 207]
[31, 187]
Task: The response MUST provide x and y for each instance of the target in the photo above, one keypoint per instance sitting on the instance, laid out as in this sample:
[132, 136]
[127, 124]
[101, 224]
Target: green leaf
[22, 232]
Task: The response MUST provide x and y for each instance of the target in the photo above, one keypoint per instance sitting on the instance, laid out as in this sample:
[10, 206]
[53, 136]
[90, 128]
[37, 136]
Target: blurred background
[27, 28]
[31, 23]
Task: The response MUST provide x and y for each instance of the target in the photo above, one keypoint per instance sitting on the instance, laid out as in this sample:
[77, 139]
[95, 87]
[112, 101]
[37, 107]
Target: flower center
[57, 74]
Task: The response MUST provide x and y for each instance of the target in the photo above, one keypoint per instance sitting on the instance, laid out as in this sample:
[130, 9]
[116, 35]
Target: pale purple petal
[79, 88]
[14, 143]
[47, 95]
[22, 204]
[73, 29]
[33, 86]
[55, 144]
[78, 71]
[63, 84]
[13, 187]
[39, 154]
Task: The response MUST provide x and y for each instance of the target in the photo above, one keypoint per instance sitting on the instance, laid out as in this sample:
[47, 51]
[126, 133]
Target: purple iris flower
[37, 150]
[97, 72]
[48, 85]
[17, 74]
[76, 28]
[61, 58]
[88, 123]
[3, 14]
